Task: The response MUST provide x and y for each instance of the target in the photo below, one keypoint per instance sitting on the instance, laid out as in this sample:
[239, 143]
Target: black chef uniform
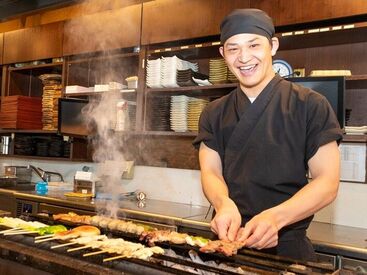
[264, 147]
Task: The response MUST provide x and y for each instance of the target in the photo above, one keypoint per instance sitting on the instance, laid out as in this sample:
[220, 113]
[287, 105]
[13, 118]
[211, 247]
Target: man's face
[249, 57]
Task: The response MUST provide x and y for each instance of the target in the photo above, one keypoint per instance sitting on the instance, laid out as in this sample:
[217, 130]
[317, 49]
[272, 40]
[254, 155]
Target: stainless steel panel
[326, 259]
[354, 265]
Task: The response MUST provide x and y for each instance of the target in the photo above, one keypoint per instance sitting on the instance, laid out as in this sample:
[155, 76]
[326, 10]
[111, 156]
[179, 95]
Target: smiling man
[257, 143]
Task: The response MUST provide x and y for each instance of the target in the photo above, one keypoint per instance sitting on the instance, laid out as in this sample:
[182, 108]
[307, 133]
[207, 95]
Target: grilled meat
[80, 231]
[163, 236]
[73, 217]
[225, 247]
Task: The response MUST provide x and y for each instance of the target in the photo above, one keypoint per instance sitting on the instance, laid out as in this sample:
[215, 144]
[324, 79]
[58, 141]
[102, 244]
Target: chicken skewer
[82, 240]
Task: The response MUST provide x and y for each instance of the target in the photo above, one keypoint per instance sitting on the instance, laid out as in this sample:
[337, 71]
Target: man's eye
[232, 49]
[254, 45]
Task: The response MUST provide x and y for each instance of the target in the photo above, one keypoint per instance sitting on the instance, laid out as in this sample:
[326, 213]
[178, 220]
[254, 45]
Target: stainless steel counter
[327, 238]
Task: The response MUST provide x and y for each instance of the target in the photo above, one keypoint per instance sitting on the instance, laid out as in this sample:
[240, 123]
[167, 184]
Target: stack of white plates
[356, 130]
[217, 71]
[168, 71]
[153, 78]
[162, 72]
[178, 113]
[195, 107]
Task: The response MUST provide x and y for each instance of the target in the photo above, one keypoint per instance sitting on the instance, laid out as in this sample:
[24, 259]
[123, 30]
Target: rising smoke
[97, 32]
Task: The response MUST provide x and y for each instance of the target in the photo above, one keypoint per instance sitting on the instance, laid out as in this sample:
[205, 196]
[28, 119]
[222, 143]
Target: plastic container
[132, 82]
[41, 187]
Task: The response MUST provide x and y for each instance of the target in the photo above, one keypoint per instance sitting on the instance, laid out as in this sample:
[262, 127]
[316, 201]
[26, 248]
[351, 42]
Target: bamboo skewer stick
[114, 258]
[19, 233]
[78, 248]
[9, 230]
[45, 240]
[62, 245]
[94, 253]
[44, 236]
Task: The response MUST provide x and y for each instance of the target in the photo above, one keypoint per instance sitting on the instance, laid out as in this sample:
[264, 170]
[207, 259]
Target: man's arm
[262, 230]
[227, 219]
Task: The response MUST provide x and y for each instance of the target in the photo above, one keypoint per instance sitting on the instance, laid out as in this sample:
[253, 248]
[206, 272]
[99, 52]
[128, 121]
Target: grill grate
[251, 262]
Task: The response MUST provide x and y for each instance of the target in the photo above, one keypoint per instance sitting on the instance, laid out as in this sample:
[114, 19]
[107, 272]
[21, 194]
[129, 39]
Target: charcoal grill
[22, 249]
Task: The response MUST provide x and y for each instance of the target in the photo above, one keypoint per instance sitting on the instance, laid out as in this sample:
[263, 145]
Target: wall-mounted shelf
[10, 131]
[32, 67]
[355, 138]
[192, 88]
[356, 77]
[35, 157]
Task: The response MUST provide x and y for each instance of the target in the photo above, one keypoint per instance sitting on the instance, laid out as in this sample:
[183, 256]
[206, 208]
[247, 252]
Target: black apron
[265, 146]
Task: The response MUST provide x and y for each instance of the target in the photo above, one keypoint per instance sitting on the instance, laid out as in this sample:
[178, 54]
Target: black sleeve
[322, 124]
[206, 133]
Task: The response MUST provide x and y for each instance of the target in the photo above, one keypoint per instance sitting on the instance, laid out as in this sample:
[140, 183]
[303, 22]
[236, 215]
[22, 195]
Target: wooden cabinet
[35, 43]
[291, 12]
[1, 47]
[285, 12]
[106, 70]
[103, 31]
[169, 20]
[25, 80]
[46, 145]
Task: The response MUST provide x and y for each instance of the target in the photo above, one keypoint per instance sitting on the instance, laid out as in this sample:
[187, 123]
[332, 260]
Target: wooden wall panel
[170, 20]
[271, 7]
[103, 31]
[337, 57]
[291, 12]
[163, 151]
[33, 43]
[1, 47]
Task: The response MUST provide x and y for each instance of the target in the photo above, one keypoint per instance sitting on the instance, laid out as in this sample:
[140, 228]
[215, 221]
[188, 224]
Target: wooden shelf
[193, 88]
[326, 37]
[34, 157]
[169, 133]
[32, 67]
[157, 133]
[356, 77]
[129, 93]
[5, 131]
[102, 57]
[355, 138]
[160, 50]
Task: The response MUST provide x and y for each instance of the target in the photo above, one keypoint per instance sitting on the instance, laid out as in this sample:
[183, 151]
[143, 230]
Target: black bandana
[246, 21]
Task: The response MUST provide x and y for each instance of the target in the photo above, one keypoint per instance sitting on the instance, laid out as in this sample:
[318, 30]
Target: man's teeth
[247, 68]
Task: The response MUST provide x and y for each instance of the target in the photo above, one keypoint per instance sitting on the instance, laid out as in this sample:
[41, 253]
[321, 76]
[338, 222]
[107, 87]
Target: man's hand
[227, 221]
[260, 232]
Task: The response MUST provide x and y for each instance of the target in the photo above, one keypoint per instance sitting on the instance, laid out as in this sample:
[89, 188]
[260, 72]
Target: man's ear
[221, 50]
[274, 45]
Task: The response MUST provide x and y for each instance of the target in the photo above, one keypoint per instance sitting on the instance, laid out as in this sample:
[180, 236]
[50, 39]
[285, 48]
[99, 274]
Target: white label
[353, 162]
[299, 32]
[351, 26]
[324, 29]
[287, 33]
[336, 28]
